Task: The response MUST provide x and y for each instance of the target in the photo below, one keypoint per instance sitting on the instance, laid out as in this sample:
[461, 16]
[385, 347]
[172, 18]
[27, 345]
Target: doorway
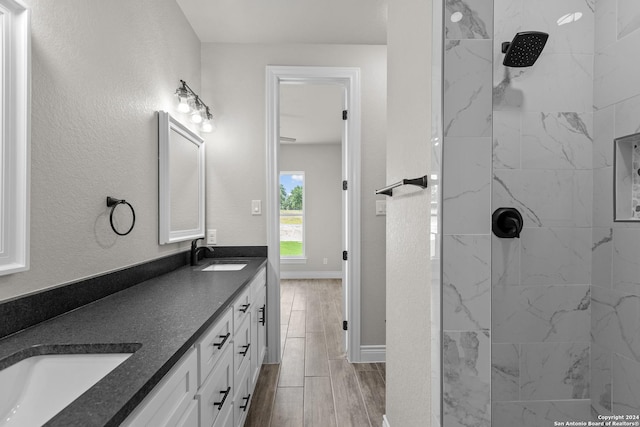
[348, 80]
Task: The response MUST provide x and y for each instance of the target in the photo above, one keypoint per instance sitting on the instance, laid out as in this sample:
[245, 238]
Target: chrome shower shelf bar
[419, 182]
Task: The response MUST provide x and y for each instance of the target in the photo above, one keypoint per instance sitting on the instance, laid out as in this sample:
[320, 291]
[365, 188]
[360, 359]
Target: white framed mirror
[181, 181]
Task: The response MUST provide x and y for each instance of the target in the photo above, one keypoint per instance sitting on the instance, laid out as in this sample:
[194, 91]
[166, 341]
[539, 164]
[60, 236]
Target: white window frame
[15, 97]
[298, 259]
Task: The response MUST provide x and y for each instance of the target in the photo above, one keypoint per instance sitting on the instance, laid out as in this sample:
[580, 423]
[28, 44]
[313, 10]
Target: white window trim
[299, 259]
[15, 137]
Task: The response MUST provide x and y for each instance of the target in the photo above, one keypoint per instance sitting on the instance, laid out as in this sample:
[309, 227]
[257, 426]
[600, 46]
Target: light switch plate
[381, 207]
[212, 236]
[256, 207]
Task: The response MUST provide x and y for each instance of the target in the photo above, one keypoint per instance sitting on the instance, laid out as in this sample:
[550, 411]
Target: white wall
[100, 70]
[408, 272]
[322, 165]
[234, 82]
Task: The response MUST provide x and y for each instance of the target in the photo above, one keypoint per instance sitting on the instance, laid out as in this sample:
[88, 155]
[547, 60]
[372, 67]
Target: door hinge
[344, 325]
[344, 185]
[344, 255]
[345, 114]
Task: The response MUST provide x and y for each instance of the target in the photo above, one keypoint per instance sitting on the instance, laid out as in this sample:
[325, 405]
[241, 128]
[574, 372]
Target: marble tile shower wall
[466, 268]
[516, 313]
[542, 165]
[615, 302]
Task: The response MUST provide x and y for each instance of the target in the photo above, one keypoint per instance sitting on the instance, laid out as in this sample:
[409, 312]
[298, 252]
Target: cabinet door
[216, 394]
[241, 308]
[258, 333]
[262, 330]
[171, 398]
[242, 345]
[212, 345]
[242, 398]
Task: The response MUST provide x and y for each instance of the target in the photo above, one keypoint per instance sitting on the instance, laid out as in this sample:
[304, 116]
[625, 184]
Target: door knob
[507, 223]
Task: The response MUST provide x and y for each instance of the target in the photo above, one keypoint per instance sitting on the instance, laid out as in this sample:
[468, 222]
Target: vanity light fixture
[183, 99]
[207, 124]
[190, 103]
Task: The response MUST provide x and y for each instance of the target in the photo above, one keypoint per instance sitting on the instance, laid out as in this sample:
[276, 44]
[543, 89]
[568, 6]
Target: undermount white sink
[235, 266]
[35, 389]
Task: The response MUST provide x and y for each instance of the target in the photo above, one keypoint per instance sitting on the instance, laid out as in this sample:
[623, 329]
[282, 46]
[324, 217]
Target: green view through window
[292, 215]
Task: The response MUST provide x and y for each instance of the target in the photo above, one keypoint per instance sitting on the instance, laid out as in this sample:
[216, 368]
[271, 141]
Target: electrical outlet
[212, 236]
[325, 261]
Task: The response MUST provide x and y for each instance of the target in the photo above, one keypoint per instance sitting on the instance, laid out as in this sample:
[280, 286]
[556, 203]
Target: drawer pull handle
[246, 349]
[224, 340]
[263, 319]
[244, 307]
[246, 403]
[226, 393]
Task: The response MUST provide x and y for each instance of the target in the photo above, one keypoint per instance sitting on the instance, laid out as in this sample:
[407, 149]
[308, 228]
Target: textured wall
[234, 81]
[408, 211]
[100, 70]
[615, 352]
[322, 165]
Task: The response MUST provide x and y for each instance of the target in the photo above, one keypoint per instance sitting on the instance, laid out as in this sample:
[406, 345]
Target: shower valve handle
[507, 223]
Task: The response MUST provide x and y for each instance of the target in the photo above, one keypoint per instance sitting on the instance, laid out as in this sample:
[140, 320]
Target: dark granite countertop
[162, 318]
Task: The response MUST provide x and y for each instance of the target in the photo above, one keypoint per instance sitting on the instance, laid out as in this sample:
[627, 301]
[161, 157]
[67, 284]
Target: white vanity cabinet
[212, 385]
[215, 396]
[242, 399]
[171, 402]
[258, 332]
[213, 343]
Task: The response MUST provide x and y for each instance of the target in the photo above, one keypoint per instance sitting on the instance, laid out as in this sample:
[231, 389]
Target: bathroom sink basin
[226, 266]
[35, 389]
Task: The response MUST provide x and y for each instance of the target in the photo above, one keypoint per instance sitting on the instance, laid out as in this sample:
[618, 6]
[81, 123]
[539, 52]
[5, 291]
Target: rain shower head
[524, 49]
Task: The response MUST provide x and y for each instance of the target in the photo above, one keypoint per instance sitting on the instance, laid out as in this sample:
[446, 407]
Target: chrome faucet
[195, 250]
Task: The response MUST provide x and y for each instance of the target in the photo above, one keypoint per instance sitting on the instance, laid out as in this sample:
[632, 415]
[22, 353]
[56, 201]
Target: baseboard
[310, 274]
[373, 353]
[385, 421]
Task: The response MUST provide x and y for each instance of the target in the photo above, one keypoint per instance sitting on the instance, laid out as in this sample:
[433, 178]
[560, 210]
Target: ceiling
[311, 113]
[288, 21]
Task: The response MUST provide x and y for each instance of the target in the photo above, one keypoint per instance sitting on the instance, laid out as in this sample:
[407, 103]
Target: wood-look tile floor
[315, 386]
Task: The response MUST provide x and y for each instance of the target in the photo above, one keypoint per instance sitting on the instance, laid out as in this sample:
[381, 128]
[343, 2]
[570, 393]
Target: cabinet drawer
[216, 394]
[242, 345]
[258, 282]
[170, 399]
[212, 345]
[242, 398]
[241, 307]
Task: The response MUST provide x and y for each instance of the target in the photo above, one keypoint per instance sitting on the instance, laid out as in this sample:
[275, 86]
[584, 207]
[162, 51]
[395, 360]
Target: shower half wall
[543, 328]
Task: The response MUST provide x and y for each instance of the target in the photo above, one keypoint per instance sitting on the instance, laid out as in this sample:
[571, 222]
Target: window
[292, 216]
[14, 137]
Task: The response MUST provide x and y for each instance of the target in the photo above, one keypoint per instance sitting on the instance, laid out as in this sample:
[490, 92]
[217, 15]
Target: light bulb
[183, 106]
[183, 100]
[196, 117]
[208, 126]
